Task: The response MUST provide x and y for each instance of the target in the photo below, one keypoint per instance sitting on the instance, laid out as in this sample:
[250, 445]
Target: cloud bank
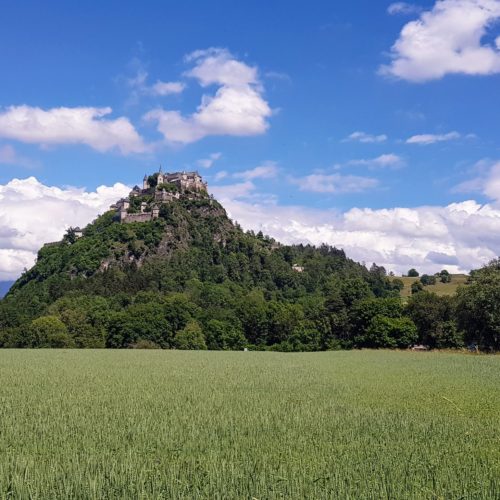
[32, 214]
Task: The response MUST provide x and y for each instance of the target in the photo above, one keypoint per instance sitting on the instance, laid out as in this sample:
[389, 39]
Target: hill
[441, 289]
[166, 267]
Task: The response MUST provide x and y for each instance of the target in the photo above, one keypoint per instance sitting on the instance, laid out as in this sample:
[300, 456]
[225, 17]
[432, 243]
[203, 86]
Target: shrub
[190, 337]
[391, 332]
[49, 331]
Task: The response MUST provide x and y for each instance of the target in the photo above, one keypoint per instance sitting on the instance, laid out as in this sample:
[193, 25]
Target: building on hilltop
[189, 185]
[183, 180]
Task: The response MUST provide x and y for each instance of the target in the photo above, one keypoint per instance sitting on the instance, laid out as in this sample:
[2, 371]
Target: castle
[160, 188]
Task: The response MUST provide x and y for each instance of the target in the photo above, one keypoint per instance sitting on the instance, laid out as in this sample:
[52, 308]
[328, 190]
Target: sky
[369, 126]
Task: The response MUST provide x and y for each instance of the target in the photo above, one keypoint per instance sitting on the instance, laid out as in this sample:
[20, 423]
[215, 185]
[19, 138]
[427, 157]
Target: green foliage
[224, 335]
[416, 287]
[433, 315]
[47, 331]
[444, 276]
[427, 279]
[413, 273]
[478, 310]
[190, 337]
[390, 332]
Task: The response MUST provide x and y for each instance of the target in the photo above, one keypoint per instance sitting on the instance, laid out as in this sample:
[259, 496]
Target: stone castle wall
[144, 217]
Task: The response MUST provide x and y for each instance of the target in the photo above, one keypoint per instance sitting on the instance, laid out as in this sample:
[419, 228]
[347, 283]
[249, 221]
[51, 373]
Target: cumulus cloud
[365, 138]
[426, 139]
[237, 108]
[32, 214]
[70, 126]
[486, 182]
[334, 183]
[208, 162]
[403, 8]
[449, 39]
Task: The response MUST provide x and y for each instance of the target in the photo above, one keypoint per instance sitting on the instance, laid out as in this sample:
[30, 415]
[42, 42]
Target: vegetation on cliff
[194, 279]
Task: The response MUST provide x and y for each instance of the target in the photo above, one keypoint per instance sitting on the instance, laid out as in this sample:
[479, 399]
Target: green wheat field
[174, 424]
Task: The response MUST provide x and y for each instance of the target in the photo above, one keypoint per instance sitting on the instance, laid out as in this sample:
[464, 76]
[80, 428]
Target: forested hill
[193, 279]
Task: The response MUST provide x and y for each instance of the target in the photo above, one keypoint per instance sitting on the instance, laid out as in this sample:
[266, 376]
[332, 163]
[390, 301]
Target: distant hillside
[441, 289]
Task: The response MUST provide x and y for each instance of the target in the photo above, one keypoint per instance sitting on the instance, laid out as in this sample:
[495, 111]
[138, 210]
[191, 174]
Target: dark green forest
[193, 279]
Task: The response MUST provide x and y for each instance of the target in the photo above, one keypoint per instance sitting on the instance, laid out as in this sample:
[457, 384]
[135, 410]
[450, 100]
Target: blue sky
[336, 122]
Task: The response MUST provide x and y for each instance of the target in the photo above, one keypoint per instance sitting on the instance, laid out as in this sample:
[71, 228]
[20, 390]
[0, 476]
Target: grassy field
[439, 288]
[173, 424]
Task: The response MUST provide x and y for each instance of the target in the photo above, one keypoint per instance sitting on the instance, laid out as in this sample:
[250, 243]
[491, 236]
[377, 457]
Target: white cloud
[267, 170]
[32, 214]
[221, 175]
[460, 236]
[334, 183]
[237, 107]
[447, 40]
[140, 86]
[167, 88]
[70, 126]
[208, 162]
[486, 182]
[365, 138]
[9, 156]
[426, 139]
[233, 191]
[388, 160]
[403, 8]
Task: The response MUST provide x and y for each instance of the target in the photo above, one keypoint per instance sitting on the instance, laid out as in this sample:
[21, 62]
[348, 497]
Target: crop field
[176, 424]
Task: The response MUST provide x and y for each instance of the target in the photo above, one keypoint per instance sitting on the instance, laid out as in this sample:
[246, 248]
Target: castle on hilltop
[158, 189]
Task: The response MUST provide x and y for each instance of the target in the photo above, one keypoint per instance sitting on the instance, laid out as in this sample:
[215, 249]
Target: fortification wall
[144, 217]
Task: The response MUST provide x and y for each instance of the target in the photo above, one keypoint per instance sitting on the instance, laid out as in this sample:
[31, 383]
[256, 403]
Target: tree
[190, 337]
[444, 276]
[478, 312]
[398, 284]
[391, 332]
[364, 311]
[225, 335]
[413, 273]
[430, 313]
[48, 331]
[427, 279]
[416, 287]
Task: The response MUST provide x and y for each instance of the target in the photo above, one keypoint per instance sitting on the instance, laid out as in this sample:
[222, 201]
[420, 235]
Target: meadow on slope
[176, 424]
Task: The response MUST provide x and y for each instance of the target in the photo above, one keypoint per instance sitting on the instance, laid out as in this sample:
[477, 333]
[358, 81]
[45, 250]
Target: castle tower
[155, 212]
[161, 177]
[143, 207]
[145, 182]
